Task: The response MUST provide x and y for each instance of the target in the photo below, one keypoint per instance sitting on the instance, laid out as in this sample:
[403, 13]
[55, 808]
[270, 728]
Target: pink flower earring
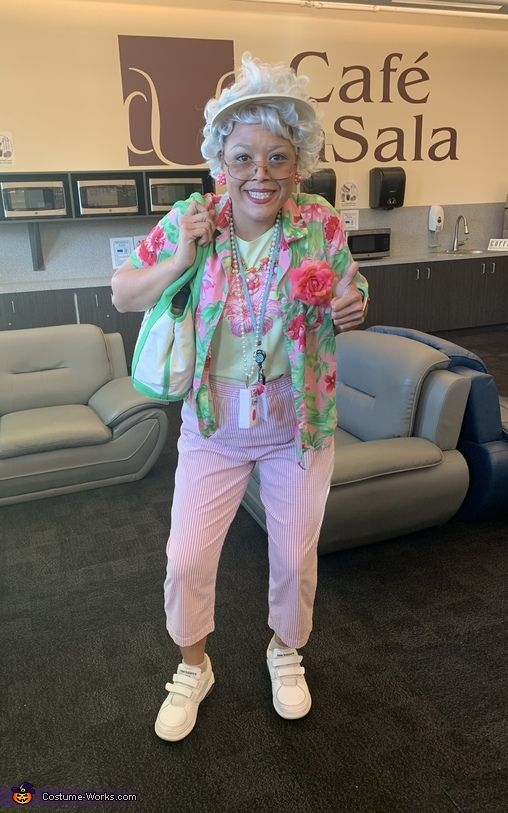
[221, 178]
[297, 177]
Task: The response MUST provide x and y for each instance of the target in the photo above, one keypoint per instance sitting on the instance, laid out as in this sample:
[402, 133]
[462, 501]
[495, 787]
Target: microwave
[107, 195]
[164, 192]
[369, 244]
[33, 198]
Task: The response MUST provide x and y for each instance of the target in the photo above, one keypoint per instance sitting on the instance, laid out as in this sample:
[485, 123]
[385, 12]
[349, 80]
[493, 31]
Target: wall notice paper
[6, 149]
[348, 194]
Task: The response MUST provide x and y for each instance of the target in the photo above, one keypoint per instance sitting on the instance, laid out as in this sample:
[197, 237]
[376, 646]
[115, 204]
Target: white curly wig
[279, 116]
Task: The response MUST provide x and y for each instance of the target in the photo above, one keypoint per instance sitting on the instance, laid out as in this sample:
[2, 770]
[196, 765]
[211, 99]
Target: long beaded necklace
[239, 274]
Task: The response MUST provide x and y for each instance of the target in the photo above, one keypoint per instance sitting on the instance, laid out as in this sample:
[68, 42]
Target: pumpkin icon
[24, 794]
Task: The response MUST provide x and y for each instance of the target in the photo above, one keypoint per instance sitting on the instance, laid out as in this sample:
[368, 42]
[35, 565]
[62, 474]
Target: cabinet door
[456, 288]
[477, 293]
[95, 307]
[445, 296]
[426, 305]
[37, 309]
[383, 305]
[7, 312]
[495, 301]
[396, 293]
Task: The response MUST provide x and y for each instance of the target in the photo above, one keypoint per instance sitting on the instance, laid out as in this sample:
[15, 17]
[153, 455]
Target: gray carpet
[407, 664]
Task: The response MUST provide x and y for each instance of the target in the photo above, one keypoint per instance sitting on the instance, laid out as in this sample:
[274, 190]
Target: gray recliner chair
[69, 416]
[397, 468]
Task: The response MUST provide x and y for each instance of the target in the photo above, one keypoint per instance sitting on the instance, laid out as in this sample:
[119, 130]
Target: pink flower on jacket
[312, 282]
[310, 211]
[330, 381]
[333, 230]
[296, 331]
[150, 248]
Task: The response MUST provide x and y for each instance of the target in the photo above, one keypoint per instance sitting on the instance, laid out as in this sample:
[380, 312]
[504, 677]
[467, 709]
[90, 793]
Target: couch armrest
[378, 458]
[117, 400]
[482, 421]
[503, 406]
[116, 353]
[441, 408]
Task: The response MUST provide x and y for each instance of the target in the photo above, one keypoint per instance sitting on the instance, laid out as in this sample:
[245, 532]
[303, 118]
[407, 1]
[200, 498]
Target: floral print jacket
[311, 229]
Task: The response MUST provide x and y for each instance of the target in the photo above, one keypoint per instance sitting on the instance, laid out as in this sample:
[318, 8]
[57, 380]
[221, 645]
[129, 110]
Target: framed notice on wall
[6, 149]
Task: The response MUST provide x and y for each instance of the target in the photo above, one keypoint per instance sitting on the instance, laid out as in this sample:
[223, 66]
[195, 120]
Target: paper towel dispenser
[387, 187]
[322, 182]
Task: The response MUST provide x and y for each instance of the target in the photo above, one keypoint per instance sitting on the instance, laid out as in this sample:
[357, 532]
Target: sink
[459, 252]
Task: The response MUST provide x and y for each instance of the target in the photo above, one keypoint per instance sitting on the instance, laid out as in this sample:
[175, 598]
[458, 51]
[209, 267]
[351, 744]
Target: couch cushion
[41, 430]
[51, 366]
[379, 379]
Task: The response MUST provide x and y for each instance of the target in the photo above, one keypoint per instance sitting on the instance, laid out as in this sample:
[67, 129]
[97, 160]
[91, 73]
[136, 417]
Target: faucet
[456, 241]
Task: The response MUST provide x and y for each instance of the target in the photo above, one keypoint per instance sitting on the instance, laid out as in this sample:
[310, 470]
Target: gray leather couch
[69, 416]
[397, 468]
[483, 438]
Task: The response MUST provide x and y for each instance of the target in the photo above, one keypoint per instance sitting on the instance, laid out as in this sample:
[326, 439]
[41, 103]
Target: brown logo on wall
[166, 83]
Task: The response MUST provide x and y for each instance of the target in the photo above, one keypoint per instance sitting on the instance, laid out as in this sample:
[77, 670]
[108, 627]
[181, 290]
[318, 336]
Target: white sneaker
[177, 715]
[291, 696]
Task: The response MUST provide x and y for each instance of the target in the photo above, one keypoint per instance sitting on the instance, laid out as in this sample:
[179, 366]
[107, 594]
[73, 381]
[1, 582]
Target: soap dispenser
[436, 218]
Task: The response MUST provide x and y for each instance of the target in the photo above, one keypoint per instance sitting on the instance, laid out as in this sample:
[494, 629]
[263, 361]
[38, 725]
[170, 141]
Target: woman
[278, 284]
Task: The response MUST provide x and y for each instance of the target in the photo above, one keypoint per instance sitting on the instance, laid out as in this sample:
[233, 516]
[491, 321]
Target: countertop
[42, 282]
[435, 256]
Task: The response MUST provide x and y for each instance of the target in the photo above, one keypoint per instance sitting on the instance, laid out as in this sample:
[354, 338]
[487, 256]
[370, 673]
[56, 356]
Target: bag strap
[163, 304]
[202, 254]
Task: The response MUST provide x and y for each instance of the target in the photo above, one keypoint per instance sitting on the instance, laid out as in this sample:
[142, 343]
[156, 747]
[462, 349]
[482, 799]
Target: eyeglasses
[279, 170]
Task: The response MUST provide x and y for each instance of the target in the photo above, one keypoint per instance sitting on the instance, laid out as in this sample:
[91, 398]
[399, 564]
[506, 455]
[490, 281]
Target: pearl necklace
[242, 291]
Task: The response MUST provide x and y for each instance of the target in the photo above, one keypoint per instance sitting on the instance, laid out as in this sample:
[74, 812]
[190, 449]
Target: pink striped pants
[210, 481]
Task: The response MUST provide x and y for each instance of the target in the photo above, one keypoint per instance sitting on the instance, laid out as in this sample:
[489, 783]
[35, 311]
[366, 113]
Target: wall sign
[168, 80]
[403, 78]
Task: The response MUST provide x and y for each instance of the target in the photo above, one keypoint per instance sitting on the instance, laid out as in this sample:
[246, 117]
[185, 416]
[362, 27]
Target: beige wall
[61, 92]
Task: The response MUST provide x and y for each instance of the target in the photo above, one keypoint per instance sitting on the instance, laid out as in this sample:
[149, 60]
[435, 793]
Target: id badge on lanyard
[253, 406]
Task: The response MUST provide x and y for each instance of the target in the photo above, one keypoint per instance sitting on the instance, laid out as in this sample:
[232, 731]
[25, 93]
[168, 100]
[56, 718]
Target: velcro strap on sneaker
[179, 688]
[290, 671]
[286, 660]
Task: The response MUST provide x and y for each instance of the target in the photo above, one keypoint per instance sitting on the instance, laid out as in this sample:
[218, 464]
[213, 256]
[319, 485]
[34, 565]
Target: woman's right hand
[137, 289]
[196, 227]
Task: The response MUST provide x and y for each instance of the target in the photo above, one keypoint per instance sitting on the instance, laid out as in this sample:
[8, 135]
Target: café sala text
[393, 143]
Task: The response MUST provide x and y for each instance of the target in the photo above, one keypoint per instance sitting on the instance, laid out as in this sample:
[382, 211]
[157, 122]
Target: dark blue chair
[483, 438]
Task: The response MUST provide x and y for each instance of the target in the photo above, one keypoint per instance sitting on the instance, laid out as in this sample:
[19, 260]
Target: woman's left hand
[347, 306]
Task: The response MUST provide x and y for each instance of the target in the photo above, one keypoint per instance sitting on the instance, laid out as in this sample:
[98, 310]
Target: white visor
[304, 109]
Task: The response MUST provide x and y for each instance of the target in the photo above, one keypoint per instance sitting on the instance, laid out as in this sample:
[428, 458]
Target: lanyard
[257, 323]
